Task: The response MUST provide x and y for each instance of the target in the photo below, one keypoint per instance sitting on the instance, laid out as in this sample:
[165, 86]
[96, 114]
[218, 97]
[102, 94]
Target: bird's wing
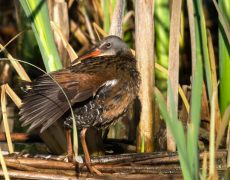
[45, 102]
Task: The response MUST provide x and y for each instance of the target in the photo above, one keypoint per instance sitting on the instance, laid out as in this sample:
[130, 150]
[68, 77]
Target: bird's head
[109, 46]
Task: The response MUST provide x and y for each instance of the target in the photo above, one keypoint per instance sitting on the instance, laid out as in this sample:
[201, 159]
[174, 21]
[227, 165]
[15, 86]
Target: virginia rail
[99, 84]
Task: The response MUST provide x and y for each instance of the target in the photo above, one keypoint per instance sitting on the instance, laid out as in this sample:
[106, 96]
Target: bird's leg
[86, 153]
[69, 145]
[68, 128]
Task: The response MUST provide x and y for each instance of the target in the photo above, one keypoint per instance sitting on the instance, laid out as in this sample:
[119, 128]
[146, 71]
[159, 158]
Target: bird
[100, 85]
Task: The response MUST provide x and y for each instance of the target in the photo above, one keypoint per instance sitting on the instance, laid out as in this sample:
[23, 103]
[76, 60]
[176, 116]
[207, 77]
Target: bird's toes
[93, 169]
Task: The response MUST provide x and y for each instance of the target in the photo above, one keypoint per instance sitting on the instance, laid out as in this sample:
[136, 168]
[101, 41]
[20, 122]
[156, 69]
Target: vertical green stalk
[108, 7]
[224, 58]
[106, 13]
[113, 4]
[187, 144]
[201, 32]
[201, 50]
[187, 150]
[176, 128]
[37, 12]
[193, 127]
[161, 24]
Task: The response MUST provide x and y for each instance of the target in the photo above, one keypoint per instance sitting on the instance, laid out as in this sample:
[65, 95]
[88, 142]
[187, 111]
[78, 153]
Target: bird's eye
[108, 45]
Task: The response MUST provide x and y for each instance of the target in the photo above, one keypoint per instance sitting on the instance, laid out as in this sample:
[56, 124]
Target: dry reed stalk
[205, 165]
[97, 28]
[17, 101]
[173, 69]
[128, 16]
[17, 66]
[58, 12]
[145, 57]
[98, 9]
[79, 35]
[72, 54]
[224, 123]
[118, 13]
[212, 168]
[89, 26]
[5, 119]
[181, 92]
[192, 33]
[3, 165]
[36, 175]
[228, 146]
[214, 79]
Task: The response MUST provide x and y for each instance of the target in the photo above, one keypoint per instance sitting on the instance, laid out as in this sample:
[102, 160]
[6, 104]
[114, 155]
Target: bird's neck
[123, 63]
[126, 62]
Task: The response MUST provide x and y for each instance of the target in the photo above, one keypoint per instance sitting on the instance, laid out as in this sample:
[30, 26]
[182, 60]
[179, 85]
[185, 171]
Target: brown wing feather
[45, 102]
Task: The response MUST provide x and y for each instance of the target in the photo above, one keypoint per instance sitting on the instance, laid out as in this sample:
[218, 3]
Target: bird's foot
[66, 158]
[93, 169]
[70, 157]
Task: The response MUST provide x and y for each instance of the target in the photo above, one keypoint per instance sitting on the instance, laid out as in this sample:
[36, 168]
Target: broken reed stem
[22, 167]
[17, 101]
[20, 137]
[5, 119]
[36, 175]
[17, 66]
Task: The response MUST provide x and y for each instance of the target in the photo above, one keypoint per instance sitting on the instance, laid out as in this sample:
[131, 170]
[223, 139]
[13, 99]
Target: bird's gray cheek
[110, 52]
